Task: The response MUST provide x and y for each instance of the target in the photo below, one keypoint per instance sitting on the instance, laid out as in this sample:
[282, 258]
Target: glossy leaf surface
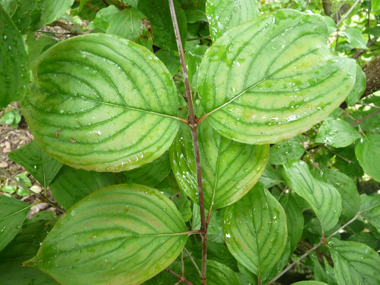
[35, 160]
[272, 78]
[255, 230]
[102, 103]
[14, 68]
[225, 14]
[119, 234]
[355, 38]
[354, 263]
[12, 215]
[72, 185]
[290, 149]
[337, 133]
[323, 198]
[370, 209]
[229, 169]
[359, 87]
[368, 154]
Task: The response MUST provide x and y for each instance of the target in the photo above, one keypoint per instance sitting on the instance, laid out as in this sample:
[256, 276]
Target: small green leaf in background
[158, 14]
[337, 133]
[12, 215]
[132, 25]
[352, 168]
[310, 282]
[35, 160]
[255, 230]
[185, 206]
[271, 176]
[370, 209]
[374, 31]
[134, 230]
[102, 103]
[290, 149]
[229, 169]
[23, 247]
[359, 87]
[225, 14]
[355, 38]
[366, 238]
[323, 198]
[9, 189]
[272, 78]
[14, 68]
[354, 263]
[23, 179]
[37, 46]
[368, 154]
[164, 278]
[72, 185]
[193, 59]
[151, 174]
[11, 118]
[104, 16]
[346, 187]
[170, 59]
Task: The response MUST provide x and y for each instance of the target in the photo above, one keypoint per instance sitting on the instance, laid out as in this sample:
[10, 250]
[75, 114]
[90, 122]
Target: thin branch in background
[193, 127]
[41, 197]
[307, 4]
[365, 104]
[338, 155]
[181, 279]
[348, 114]
[348, 13]
[365, 118]
[323, 241]
[282, 192]
[88, 5]
[105, 3]
[193, 261]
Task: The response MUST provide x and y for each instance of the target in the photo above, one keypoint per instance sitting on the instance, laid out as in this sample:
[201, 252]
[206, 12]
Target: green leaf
[271, 176]
[352, 169]
[21, 177]
[374, 31]
[225, 14]
[159, 16]
[370, 209]
[229, 169]
[354, 263]
[102, 103]
[289, 149]
[365, 238]
[255, 230]
[359, 87]
[170, 59]
[32, 15]
[12, 215]
[104, 16]
[23, 247]
[217, 273]
[193, 59]
[132, 25]
[346, 187]
[323, 198]
[272, 78]
[337, 133]
[294, 219]
[310, 282]
[355, 38]
[164, 278]
[119, 234]
[185, 206]
[22, 192]
[37, 47]
[9, 189]
[89, 14]
[35, 160]
[72, 185]
[368, 154]
[151, 174]
[8, 118]
[319, 271]
[14, 68]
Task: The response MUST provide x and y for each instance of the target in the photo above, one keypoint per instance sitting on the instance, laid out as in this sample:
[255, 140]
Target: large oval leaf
[255, 230]
[14, 68]
[226, 14]
[122, 234]
[102, 103]
[368, 154]
[229, 169]
[322, 197]
[354, 263]
[272, 78]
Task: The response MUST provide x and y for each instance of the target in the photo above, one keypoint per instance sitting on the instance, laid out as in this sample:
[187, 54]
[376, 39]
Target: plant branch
[193, 261]
[193, 126]
[181, 279]
[338, 155]
[90, 6]
[323, 241]
[105, 3]
[41, 197]
[348, 13]
[365, 118]
[370, 43]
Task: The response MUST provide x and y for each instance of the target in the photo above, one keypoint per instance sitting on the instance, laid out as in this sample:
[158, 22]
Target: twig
[365, 104]
[193, 261]
[323, 241]
[365, 118]
[90, 6]
[105, 3]
[182, 279]
[361, 51]
[193, 126]
[338, 155]
[41, 197]
[73, 29]
[348, 13]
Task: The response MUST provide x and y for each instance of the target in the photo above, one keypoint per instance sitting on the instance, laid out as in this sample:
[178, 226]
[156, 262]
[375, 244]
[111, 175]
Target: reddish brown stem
[193, 126]
[182, 279]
